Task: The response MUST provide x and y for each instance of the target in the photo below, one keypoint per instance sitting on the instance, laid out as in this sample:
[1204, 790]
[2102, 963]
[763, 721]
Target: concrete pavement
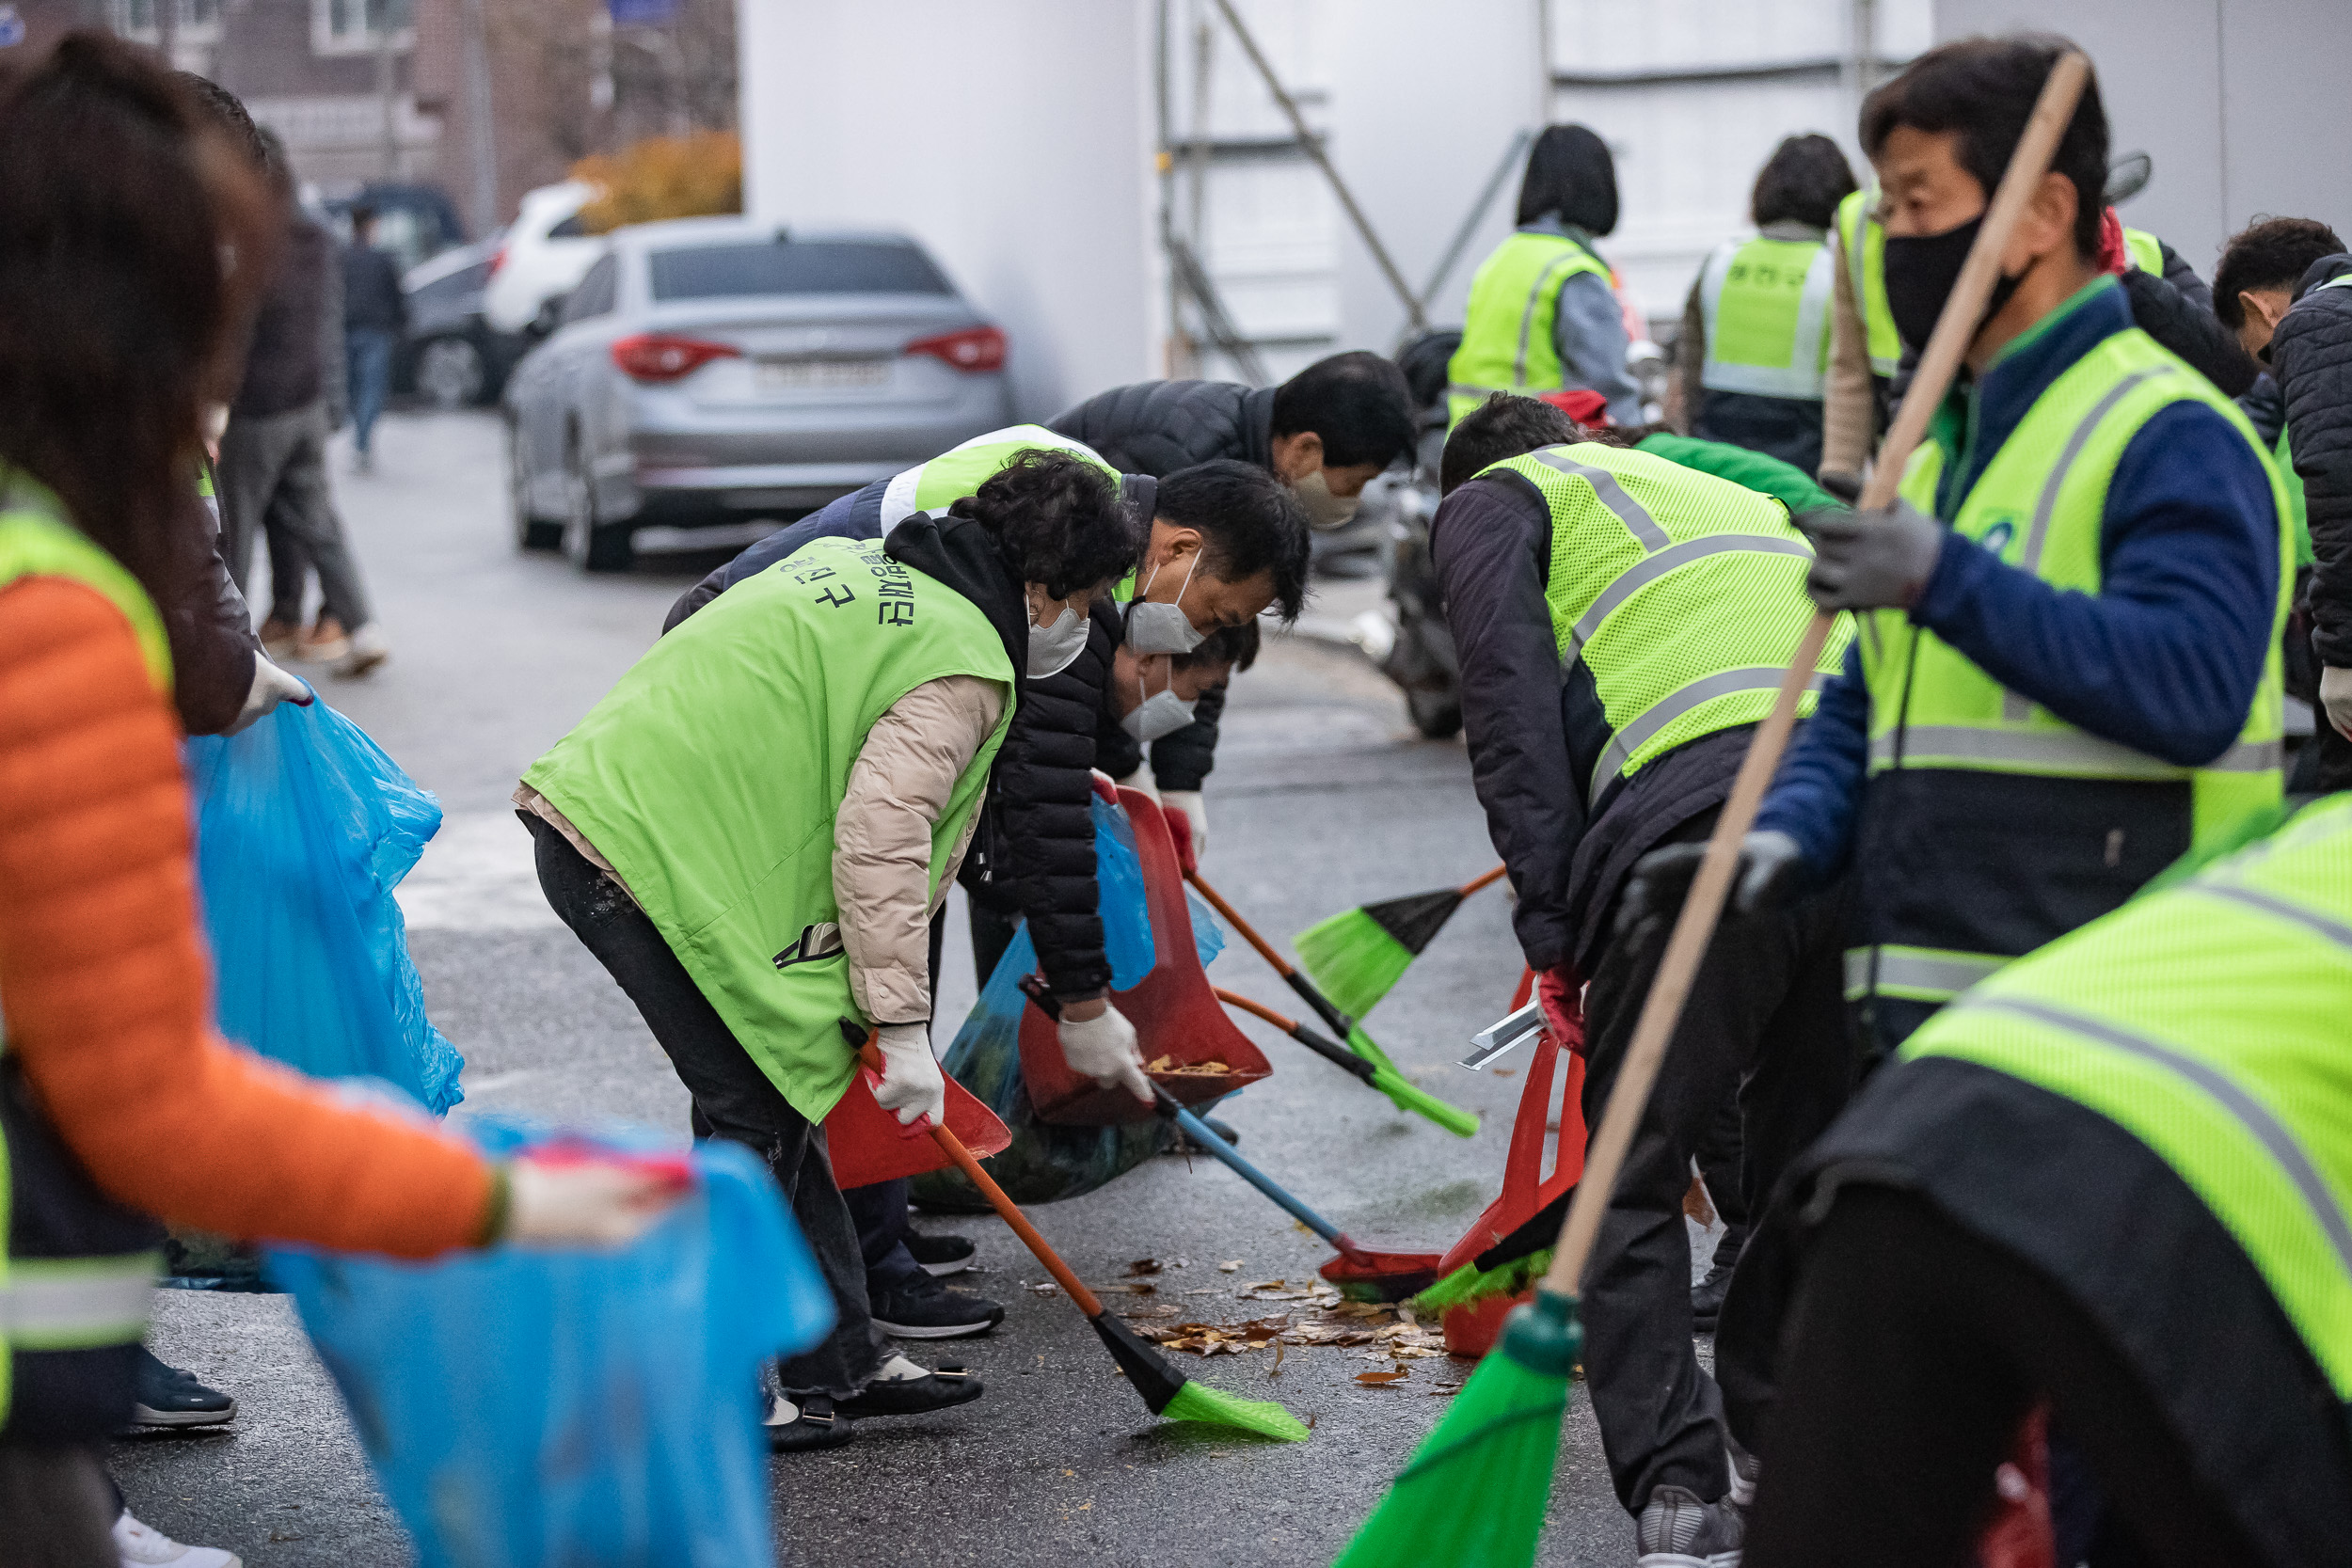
[1322, 798]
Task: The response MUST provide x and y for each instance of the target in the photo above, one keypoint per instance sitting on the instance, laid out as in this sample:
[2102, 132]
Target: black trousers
[1913, 1351]
[57, 1507]
[1720, 1160]
[733, 1099]
[1766, 1020]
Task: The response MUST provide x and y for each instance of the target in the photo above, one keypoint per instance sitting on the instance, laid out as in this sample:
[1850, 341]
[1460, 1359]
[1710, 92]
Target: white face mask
[1053, 648]
[1163, 628]
[1325, 511]
[1160, 713]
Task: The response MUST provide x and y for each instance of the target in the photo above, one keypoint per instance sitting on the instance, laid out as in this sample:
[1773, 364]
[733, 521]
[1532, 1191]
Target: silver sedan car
[712, 373]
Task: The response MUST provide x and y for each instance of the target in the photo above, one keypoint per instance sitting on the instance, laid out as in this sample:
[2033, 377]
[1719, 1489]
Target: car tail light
[663, 357]
[497, 260]
[975, 348]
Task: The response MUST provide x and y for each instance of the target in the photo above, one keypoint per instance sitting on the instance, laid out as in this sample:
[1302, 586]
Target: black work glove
[1869, 560]
[1771, 871]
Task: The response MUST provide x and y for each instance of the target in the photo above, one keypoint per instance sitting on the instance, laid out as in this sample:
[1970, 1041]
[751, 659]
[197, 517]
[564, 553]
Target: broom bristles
[1351, 960]
[1476, 1492]
[1410, 1096]
[1196, 1402]
[1469, 1283]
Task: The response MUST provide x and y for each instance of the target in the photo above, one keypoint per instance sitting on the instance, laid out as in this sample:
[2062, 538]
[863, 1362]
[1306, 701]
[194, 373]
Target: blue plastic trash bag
[576, 1406]
[1047, 1162]
[303, 828]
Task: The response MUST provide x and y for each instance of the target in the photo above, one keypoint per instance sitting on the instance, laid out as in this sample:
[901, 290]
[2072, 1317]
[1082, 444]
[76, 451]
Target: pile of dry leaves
[1385, 1334]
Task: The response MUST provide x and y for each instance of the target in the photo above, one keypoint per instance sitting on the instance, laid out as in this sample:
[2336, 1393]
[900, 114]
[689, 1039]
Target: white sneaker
[141, 1545]
[369, 648]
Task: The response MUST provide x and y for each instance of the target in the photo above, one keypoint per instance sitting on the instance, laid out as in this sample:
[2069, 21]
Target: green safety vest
[77, 1274]
[1682, 593]
[710, 775]
[1943, 732]
[1863, 244]
[1507, 329]
[938, 484]
[1767, 305]
[2145, 249]
[2208, 1021]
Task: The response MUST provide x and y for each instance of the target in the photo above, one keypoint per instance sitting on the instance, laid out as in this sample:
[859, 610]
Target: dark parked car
[451, 355]
[415, 223]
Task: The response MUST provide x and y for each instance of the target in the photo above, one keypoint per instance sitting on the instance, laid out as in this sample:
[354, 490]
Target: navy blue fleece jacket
[2164, 659]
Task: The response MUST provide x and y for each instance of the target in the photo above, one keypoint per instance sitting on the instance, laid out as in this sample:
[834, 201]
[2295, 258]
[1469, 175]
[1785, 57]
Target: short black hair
[2269, 253]
[1984, 91]
[1233, 646]
[229, 113]
[1571, 173]
[1251, 521]
[361, 216]
[1803, 182]
[1358, 402]
[1504, 426]
[1057, 519]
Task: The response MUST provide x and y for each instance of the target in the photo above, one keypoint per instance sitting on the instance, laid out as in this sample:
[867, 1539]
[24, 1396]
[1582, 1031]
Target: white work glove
[1196, 812]
[910, 1085]
[271, 686]
[1139, 780]
[1103, 1048]
[589, 1203]
[2335, 695]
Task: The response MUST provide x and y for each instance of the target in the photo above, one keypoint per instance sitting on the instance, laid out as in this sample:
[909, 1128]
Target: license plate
[822, 375]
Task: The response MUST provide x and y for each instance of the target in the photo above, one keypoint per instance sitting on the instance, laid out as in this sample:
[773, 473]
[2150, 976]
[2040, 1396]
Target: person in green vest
[1755, 331]
[1865, 350]
[1543, 311]
[1623, 620]
[2114, 1180]
[754, 831]
[2069, 671]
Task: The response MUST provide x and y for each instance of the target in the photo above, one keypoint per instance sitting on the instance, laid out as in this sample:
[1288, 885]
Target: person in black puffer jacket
[1326, 433]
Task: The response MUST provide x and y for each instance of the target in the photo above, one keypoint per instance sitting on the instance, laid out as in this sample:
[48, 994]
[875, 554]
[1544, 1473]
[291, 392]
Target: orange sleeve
[105, 983]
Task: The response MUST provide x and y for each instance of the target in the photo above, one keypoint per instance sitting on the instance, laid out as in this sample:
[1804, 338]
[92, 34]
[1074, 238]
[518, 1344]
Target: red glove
[2114, 256]
[1561, 990]
[1179, 829]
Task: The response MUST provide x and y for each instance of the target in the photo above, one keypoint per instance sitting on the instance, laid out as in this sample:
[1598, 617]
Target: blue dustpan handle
[1198, 1131]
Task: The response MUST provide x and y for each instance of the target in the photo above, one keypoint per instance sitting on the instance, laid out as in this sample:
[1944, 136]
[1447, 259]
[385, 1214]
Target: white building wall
[2244, 105]
[1013, 140]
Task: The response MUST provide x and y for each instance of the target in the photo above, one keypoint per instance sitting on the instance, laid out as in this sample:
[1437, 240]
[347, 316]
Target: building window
[199, 20]
[355, 26]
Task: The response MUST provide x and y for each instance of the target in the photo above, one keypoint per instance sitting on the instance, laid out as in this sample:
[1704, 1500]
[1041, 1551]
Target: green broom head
[1476, 1492]
[1171, 1395]
[1355, 956]
[1469, 1284]
[1412, 1097]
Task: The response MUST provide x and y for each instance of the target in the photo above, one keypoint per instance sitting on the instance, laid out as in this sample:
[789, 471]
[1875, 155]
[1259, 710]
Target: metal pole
[168, 31]
[480, 130]
[1476, 216]
[387, 86]
[1314, 150]
[1543, 64]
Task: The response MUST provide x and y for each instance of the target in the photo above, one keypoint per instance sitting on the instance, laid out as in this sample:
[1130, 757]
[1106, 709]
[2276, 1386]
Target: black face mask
[1920, 273]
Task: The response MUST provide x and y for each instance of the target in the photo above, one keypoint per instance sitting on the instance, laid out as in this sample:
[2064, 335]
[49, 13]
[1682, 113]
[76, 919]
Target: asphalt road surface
[1322, 798]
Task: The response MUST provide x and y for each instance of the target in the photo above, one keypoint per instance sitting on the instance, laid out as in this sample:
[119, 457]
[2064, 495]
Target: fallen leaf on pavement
[1143, 1266]
[1229, 1266]
[1382, 1379]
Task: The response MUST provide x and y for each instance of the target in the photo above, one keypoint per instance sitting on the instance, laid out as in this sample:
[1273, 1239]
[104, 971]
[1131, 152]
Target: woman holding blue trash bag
[134, 242]
[755, 828]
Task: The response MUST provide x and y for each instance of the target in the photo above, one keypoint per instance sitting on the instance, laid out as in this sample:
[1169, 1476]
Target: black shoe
[925, 1309]
[912, 1395]
[1706, 1298]
[804, 1425]
[940, 1255]
[168, 1397]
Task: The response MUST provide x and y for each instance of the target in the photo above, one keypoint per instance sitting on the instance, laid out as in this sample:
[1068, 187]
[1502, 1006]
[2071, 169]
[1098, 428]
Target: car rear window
[794, 267]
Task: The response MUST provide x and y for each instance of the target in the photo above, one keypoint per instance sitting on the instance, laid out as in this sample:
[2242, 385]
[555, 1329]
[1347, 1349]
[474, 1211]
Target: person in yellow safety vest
[1543, 315]
[2068, 668]
[1754, 345]
[2113, 1181]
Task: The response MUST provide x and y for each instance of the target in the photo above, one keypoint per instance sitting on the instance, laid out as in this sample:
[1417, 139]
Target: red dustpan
[1176, 1013]
[867, 1145]
[1470, 1329]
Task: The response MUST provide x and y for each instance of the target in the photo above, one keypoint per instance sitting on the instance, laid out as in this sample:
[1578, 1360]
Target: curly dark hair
[1803, 182]
[2269, 253]
[1057, 520]
[138, 240]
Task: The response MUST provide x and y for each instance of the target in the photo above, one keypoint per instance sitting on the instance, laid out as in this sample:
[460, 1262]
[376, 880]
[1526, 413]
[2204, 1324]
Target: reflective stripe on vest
[1767, 308]
[1915, 974]
[2206, 1020]
[2040, 506]
[2145, 249]
[1507, 326]
[1862, 242]
[75, 1303]
[935, 486]
[1682, 593]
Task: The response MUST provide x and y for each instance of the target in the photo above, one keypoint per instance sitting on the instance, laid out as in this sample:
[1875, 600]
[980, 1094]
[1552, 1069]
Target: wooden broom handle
[1955, 328]
[1006, 1208]
[1259, 1010]
[1483, 879]
[1248, 933]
